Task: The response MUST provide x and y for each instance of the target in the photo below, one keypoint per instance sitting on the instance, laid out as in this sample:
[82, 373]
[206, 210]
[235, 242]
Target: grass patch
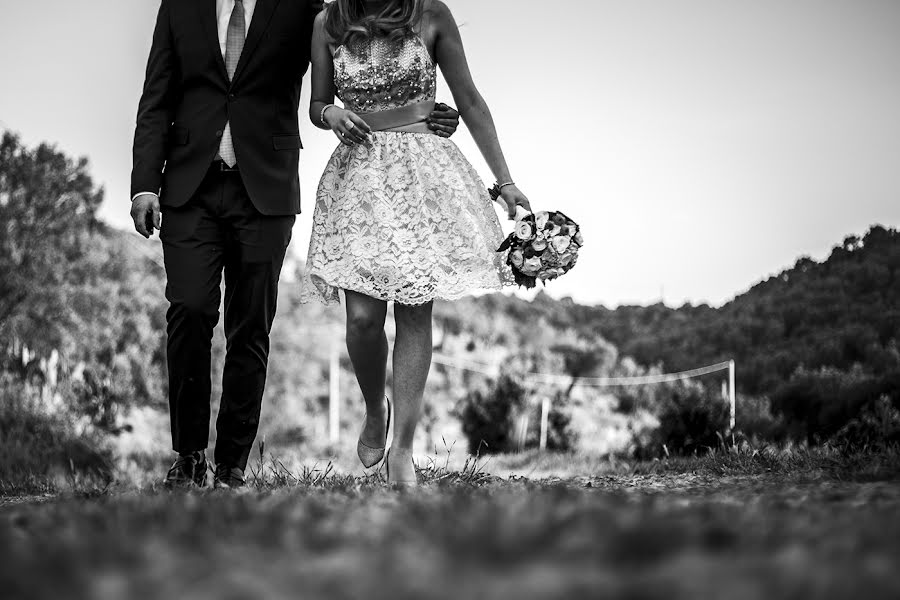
[42, 453]
[745, 523]
[881, 463]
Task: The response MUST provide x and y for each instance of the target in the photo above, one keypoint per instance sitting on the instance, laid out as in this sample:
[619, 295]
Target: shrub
[691, 418]
[877, 424]
[818, 405]
[41, 451]
[488, 418]
[561, 436]
[754, 420]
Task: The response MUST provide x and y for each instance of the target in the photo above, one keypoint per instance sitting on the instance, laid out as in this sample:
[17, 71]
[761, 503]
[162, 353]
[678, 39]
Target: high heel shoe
[368, 455]
[401, 483]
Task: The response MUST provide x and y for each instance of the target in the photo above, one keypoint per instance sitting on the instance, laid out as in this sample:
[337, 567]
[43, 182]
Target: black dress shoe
[188, 470]
[228, 477]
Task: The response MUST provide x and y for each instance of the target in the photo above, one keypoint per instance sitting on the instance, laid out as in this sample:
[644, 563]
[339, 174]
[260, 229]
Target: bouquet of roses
[543, 245]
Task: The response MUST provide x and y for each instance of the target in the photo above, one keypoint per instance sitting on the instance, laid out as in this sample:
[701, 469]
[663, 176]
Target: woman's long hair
[347, 23]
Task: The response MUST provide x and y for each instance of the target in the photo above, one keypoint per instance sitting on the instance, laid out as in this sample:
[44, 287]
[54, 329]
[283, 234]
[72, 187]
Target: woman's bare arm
[347, 126]
[451, 58]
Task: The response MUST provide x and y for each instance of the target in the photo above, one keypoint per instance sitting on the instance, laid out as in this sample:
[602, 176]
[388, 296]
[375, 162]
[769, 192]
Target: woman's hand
[511, 197]
[347, 126]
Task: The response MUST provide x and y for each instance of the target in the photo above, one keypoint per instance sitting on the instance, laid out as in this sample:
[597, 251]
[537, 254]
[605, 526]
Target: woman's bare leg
[412, 361]
[368, 348]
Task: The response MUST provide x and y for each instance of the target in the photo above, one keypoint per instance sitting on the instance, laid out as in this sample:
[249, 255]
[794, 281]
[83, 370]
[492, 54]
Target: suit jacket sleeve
[156, 109]
[315, 7]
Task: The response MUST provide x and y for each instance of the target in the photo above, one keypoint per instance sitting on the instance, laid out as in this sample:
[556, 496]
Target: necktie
[234, 45]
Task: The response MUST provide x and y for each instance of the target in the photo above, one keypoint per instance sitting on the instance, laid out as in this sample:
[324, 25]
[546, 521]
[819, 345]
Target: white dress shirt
[224, 8]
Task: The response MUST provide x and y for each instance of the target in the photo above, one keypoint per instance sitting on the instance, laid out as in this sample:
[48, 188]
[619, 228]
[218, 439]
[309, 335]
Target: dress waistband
[410, 118]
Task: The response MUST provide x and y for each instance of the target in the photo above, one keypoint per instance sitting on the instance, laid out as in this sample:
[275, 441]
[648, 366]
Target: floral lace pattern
[403, 218]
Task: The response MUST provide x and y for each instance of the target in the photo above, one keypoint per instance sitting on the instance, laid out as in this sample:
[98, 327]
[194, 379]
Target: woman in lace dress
[401, 216]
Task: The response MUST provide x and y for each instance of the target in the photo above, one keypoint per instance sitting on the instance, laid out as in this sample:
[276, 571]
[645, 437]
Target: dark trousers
[220, 230]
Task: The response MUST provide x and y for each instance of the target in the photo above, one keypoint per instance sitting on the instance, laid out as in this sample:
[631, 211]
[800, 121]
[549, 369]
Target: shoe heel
[402, 483]
[368, 456]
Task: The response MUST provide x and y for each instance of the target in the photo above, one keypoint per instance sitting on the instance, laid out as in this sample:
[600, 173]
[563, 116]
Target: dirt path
[663, 535]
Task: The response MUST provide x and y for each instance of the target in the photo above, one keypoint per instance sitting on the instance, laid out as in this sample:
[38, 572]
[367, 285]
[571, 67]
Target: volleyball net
[493, 371]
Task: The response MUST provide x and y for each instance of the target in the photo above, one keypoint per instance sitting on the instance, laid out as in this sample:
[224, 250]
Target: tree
[71, 285]
[48, 206]
[584, 358]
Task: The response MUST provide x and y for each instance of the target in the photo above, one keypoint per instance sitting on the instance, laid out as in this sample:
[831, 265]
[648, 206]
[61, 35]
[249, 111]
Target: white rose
[539, 245]
[531, 266]
[541, 219]
[561, 243]
[524, 230]
[579, 239]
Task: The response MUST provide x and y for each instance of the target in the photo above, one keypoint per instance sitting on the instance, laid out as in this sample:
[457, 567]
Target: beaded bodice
[381, 74]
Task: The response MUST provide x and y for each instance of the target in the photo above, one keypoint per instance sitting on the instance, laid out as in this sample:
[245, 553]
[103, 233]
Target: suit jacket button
[219, 133]
[231, 96]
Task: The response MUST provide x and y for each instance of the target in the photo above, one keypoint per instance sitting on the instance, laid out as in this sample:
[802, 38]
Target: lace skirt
[403, 218]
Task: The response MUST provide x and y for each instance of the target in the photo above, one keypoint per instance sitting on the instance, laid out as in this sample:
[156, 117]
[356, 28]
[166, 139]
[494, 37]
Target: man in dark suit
[216, 153]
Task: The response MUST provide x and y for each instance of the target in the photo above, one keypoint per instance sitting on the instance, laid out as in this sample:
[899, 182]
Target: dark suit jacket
[187, 100]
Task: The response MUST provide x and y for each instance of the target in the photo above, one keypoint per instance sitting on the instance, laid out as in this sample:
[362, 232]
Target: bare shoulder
[319, 23]
[439, 18]
[439, 11]
[320, 29]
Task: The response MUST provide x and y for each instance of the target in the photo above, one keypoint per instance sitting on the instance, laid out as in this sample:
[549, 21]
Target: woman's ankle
[376, 408]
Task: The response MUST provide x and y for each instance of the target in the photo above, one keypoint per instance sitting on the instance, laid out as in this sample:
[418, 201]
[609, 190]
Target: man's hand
[444, 120]
[145, 213]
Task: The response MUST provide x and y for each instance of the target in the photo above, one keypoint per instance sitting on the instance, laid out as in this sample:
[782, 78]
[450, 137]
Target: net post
[334, 394]
[732, 393]
[545, 421]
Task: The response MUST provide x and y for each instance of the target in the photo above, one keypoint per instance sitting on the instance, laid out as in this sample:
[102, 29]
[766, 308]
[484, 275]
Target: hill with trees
[842, 313]
[817, 345]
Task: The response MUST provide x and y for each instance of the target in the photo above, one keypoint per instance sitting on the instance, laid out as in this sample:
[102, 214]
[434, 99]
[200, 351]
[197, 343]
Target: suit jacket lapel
[210, 21]
[262, 15]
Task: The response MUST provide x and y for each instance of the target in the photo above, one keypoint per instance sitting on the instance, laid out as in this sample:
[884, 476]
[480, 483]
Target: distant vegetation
[82, 343]
[822, 339]
[840, 313]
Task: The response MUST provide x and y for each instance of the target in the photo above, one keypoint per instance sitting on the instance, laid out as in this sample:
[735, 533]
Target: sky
[703, 145]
